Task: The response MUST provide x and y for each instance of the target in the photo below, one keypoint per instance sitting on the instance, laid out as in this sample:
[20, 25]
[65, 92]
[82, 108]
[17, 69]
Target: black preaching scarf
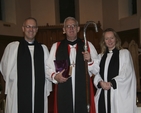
[64, 92]
[24, 78]
[113, 71]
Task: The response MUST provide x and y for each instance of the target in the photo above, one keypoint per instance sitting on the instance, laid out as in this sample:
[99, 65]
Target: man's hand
[59, 78]
[87, 56]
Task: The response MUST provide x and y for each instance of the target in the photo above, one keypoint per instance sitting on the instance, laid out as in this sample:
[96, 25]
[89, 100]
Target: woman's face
[110, 40]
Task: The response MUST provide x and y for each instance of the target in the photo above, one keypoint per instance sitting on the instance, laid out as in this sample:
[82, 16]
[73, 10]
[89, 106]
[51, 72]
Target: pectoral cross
[73, 64]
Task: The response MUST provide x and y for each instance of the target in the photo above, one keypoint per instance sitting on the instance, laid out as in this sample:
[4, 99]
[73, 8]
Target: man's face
[71, 29]
[30, 29]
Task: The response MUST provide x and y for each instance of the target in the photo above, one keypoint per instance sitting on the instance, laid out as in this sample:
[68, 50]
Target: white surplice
[93, 67]
[123, 98]
[9, 72]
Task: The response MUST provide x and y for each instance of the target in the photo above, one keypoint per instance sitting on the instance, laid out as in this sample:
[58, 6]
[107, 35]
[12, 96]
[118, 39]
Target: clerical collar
[30, 43]
[72, 42]
[111, 51]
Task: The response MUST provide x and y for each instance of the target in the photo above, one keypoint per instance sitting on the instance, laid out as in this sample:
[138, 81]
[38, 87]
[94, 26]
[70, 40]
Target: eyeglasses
[33, 27]
[70, 26]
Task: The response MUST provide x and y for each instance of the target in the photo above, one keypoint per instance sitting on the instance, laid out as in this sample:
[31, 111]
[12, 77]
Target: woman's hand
[105, 85]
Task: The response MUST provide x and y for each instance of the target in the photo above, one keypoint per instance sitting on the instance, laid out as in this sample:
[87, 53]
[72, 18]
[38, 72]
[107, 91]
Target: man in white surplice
[23, 66]
[70, 92]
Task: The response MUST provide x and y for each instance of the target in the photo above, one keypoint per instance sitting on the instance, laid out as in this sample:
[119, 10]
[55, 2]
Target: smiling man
[70, 93]
[23, 68]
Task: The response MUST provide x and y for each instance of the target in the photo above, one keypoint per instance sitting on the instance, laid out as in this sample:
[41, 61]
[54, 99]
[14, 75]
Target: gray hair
[30, 18]
[70, 18]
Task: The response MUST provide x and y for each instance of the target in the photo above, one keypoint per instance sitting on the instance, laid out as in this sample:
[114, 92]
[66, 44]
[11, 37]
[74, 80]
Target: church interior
[124, 16]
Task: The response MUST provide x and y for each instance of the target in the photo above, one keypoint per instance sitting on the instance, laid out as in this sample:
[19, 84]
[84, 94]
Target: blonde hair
[102, 42]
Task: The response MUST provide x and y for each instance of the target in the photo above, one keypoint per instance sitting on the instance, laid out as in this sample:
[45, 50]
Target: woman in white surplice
[116, 81]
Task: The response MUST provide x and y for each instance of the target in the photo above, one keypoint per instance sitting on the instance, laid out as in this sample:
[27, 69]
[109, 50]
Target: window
[134, 6]
[8, 11]
[0, 10]
[66, 8]
[127, 8]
